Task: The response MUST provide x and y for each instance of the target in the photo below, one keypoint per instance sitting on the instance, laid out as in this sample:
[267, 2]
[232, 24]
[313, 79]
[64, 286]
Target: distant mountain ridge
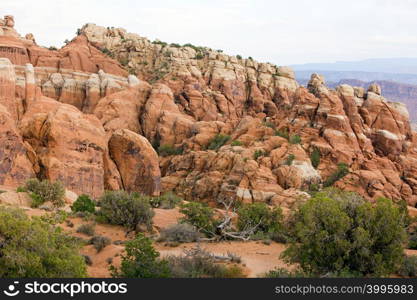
[378, 65]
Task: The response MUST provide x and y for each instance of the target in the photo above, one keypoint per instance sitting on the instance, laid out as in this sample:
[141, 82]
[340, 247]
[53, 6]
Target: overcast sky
[281, 31]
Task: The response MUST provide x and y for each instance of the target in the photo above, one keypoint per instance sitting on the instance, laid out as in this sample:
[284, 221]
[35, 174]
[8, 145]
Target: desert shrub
[54, 218]
[267, 220]
[87, 229]
[199, 55]
[284, 273]
[45, 191]
[258, 153]
[141, 261]
[168, 150]
[295, 139]
[33, 248]
[315, 157]
[360, 238]
[167, 200]
[200, 216]
[218, 141]
[182, 233]
[99, 242]
[53, 48]
[156, 42]
[282, 133]
[175, 45]
[289, 159]
[314, 187]
[83, 204]
[239, 56]
[87, 260]
[409, 266]
[20, 189]
[201, 264]
[269, 125]
[237, 143]
[122, 208]
[342, 171]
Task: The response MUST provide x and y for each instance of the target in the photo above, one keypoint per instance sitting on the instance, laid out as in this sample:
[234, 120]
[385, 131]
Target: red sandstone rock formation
[97, 133]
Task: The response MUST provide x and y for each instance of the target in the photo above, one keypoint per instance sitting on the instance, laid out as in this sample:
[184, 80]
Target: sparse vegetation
[83, 204]
[181, 233]
[167, 200]
[156, 42]
[129, 210]
[282, 133]
[168, 150]
[295, 139]
[342, 171]
[87, 229]
[361, 239]
[265, 220]
[237, 143]
[258, 153]
[100, 242]
[198, 263]
[53, 48]
[239, 56]
[45, 191]
[315, 157]
[33, 248]
[200, 216]
[290, 159]
[141, 261]
[218, 141]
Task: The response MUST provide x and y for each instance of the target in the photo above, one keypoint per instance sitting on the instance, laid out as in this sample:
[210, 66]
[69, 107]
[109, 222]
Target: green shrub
[359, 238]
[266, 220]
[100, 242]
[284, 273]
[201, 264]
[290, 159]
[258, 153]
[163, 44]
[45, 191]
[342, 171]
[295, 139]
[167, 200]
[33, 248]
[237, 143]
[199, 55]
[282, 133]
[239, 56]
[83, 204]
[315, 157]
[141, 261]
[269, 125]
[53, 48]
[409, 266]
[20, 189]
[129, 210]
[218, 141]
[168, 150]
[87, 229]
[175, 45]
[200, 216]
[182, 233]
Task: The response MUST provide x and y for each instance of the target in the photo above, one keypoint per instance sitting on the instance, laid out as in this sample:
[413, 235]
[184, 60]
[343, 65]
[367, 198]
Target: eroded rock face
[15, 165]
[70, 146]
[136, 161]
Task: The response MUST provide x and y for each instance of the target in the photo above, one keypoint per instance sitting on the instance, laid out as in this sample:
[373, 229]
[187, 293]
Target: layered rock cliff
[75, 115]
